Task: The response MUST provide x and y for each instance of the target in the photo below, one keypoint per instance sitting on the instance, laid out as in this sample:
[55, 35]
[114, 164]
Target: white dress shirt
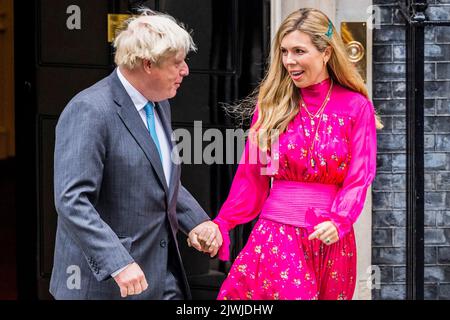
[139, 102]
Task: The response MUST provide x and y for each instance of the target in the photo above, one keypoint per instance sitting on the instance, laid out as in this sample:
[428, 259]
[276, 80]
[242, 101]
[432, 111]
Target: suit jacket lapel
[131, 119]
[175, 172]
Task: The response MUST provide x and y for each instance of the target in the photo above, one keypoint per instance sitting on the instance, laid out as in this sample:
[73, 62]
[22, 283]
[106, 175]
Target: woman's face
[305, 64]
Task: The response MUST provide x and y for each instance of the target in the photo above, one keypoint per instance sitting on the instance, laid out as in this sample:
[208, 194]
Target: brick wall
[389, 206]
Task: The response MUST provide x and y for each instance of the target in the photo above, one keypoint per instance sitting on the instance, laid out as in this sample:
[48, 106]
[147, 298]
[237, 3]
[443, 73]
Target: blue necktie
[150, 113]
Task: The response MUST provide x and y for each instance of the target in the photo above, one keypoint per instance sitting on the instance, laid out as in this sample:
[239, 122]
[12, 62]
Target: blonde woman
[314, 103]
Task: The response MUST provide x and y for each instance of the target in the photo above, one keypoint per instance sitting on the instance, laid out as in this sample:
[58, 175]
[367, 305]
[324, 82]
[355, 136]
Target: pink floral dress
[308, 185]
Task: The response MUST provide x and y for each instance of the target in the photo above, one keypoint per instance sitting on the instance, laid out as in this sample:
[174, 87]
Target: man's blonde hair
[152, 36]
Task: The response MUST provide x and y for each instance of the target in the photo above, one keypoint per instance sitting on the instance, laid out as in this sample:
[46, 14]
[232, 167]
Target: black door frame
[26, 41]
[416, 20]
[25, 122]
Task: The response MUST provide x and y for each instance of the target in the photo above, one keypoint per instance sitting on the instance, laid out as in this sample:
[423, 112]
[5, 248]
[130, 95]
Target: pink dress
[308, 187]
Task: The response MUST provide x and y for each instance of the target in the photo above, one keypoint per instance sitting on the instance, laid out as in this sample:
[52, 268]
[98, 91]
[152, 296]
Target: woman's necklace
[322, 107]
[319, 115]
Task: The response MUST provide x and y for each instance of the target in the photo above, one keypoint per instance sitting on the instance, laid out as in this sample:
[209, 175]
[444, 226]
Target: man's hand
[206, 237]
[325, 232]
[131, 280]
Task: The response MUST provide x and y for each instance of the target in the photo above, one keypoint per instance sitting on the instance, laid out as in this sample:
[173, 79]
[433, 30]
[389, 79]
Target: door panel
[55, 86]
[82, 47]
[47, 212]
[194, 90]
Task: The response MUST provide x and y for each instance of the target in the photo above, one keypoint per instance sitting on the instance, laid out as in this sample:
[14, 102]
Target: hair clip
[329, 32]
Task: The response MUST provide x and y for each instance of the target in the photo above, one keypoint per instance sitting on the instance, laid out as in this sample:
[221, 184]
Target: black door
[67, 50]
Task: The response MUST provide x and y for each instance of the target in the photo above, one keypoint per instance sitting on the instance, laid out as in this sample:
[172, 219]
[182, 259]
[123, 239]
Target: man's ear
[147, 65]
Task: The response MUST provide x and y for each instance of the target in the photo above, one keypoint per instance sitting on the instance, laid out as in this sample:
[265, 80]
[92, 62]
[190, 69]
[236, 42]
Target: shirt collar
[138, 99]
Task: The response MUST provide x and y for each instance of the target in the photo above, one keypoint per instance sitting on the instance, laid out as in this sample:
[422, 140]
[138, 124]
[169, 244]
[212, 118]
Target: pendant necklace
[312, 117]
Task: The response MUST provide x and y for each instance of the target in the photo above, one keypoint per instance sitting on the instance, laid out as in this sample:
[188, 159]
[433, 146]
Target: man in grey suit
[118, 195]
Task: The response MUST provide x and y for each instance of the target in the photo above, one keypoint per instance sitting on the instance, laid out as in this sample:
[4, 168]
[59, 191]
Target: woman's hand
[325, 232]
[206, 237]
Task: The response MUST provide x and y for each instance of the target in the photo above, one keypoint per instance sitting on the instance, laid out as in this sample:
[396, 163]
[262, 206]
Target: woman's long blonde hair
[277, 95]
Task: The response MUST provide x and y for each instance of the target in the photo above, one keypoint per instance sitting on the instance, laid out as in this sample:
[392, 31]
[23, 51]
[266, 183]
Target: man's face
[166, 77]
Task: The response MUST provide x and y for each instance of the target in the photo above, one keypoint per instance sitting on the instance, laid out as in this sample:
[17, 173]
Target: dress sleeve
[349, 201]
[248, 192]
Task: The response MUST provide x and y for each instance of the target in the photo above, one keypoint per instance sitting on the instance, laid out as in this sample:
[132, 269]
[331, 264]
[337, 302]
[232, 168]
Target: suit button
[163, 243]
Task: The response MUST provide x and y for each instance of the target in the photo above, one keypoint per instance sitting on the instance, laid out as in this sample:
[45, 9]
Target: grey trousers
[172, 290]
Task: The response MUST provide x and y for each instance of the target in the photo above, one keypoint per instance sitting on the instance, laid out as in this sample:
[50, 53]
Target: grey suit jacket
[114, 206]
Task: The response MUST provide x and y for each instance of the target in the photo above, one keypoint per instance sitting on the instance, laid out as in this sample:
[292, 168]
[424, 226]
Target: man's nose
[184, 69]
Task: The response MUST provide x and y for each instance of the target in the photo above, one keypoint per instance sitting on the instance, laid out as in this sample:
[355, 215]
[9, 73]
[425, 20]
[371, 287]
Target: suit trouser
[172, 289]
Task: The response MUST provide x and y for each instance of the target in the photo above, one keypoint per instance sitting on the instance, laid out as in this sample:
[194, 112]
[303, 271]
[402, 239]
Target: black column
[416, 20]
[415, 44]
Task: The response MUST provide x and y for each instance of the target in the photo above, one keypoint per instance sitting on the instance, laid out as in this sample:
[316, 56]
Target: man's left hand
[206, 237]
